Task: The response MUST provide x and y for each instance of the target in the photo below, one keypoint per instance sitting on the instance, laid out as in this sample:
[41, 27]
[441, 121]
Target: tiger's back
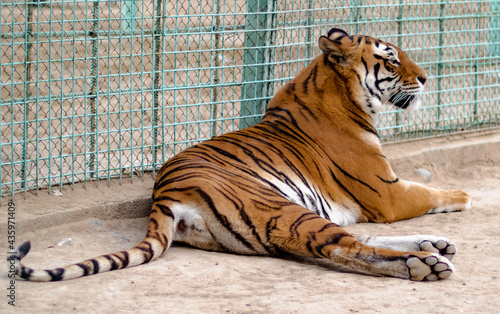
[288, 183]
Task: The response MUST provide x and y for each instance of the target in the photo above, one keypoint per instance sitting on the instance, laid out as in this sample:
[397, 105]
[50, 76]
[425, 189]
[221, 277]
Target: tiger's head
[376, 72]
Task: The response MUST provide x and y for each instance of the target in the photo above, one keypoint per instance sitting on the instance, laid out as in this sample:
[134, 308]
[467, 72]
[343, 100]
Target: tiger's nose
[422, 79]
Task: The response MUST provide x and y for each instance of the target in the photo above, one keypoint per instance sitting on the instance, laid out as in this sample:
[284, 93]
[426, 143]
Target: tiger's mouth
[403, 100]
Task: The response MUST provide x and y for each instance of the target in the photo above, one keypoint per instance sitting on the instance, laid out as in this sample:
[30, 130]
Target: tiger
[290, 183]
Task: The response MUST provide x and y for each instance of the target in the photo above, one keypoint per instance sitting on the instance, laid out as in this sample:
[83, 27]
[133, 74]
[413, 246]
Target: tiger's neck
[327, 99]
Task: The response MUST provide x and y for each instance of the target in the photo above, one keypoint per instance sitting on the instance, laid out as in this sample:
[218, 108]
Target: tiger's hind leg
[301, 232]
[427, 243]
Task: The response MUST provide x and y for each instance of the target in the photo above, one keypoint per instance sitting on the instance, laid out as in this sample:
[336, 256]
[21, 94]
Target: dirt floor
[187, 280]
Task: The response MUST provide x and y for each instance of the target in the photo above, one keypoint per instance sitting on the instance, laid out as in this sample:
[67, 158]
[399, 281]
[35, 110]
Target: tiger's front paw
[429, 268]
[452, 201]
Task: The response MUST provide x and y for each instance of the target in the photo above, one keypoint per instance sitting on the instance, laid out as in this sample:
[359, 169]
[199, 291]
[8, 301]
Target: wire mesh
[94, 90]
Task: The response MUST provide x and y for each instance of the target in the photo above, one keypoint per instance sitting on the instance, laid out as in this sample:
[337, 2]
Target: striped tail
[153, 245]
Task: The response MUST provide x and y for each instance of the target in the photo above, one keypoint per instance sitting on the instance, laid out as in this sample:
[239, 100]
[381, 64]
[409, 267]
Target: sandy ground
[187, 280]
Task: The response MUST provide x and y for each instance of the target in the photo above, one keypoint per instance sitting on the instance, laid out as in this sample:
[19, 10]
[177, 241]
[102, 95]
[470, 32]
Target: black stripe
[360, 121]
[25, 272]
[305, 83]
[309, 243]
[370, 90]
[165, 198]
[175, 179]
[278, 113]
[123, 260]
[153, 222]
[352, 178]
[222, 219]
[388, 181]
[290, 88]
[376, 69]
[274, 206]
[284, 134]
[148, 252]
[333, 241]
[277, 129]
[114, 265]
[350, 194]
[324, 212]
[56, 274]
[325, 59]
[312, 74]
[126, 259]
[224, 153]
[304, 107]
[165, 240]
[243, 144]
[270, 227]
[295, 229]
[327, 226]
[365, 64]
[387, 79]
[85, 268]
[238, 204]
[337, 30]
[165, 210]
[315, 79]
[295, 225]
[95, 263]
[173, 166]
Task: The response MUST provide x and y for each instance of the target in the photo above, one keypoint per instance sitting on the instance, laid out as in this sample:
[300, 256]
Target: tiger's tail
[152, 246]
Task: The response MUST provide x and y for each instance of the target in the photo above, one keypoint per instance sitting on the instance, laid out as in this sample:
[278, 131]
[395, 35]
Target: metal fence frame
[95, 90]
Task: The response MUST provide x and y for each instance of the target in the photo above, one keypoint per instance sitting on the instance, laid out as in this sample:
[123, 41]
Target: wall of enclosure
[94, 90]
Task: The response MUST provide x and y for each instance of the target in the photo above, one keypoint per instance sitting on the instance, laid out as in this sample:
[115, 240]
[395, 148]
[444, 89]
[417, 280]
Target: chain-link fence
[94, 90]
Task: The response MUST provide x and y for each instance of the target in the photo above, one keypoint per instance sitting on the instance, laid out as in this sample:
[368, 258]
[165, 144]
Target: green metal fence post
[398, 116]
[494, 47]
[270, 51]
[475, 116]
[309, 22]
[218, 60]
[494, 33]
[253, 99]
[442, 10]
[94, 73]
[158, 36]
[1, 137]
[129, 12]
[28, 34]
[354, 14]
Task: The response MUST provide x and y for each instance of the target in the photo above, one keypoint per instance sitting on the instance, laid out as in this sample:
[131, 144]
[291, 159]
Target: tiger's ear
[332, 44]
[333, 49]
[336, 34]
[329, 47]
